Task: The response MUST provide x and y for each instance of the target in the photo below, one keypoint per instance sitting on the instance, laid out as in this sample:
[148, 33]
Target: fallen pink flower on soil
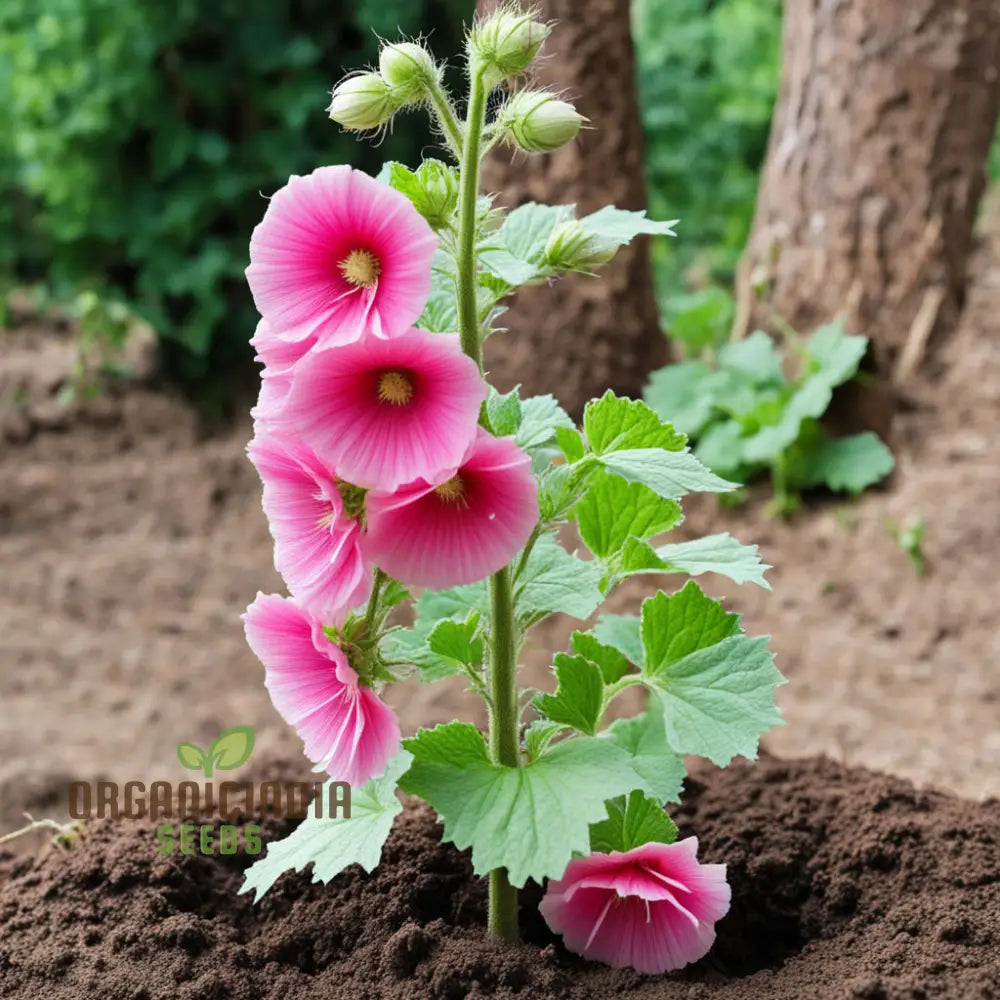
[386, 412]
[653, 908]
[339, 255]
[460, 527]
[316, 532]
[347, 730]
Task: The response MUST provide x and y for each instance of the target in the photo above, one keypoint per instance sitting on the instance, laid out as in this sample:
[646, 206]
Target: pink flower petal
[346, 729]
[653, 908]
[386, 412]
[466, 525]
[299, 253]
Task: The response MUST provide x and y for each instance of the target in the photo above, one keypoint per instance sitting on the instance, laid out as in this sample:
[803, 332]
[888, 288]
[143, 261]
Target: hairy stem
[445, 115]
[503, 639]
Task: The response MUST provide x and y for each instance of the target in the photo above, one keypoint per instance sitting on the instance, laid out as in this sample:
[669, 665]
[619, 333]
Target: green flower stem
[504, 737]
[445, 115]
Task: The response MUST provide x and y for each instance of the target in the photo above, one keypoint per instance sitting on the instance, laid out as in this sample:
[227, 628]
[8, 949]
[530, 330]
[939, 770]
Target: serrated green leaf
[632, 821]
[570, 443]
[850, 463]
[440, 313]
[559, 488]
[615, 424]
[530, 820]
[638, 556]
[683, 395]
[503, 411]
[332, 844]
[232, 747]
[714, 684]
[833, 355]
[619, 226]
[526, 229]
[644, 737]
[579, 697]
[721, 554]
[755, 356]
[810, 400]
[621, 632]
[540, 416]
[191, 756]
[669, 474]
[720, 448]
[458, 641]
[539, 735]
[553, 580]
[613, 663]
[613, 510]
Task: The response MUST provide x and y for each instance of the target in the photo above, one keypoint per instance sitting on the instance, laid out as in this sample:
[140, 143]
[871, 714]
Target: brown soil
[846, 884]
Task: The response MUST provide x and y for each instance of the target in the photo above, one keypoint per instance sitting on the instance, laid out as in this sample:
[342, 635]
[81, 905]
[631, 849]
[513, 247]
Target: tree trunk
[584, 334]
[875, 167]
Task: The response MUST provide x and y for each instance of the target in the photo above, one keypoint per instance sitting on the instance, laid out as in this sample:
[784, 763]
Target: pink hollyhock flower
[278, 355]
[384, 412]
[347, 730]
[653, 908]
[338, 255]
[460, 526]
[315, 522]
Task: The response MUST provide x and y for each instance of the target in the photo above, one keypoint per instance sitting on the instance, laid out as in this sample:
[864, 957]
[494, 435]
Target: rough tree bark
[584, 334]
[875, 169]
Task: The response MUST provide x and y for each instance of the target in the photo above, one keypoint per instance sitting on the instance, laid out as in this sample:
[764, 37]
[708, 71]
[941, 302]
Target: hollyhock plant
[384, 412]
[347, 730]
[315, 520]
[461, 528]
[653, 908]
[338, 255]
[383, 450]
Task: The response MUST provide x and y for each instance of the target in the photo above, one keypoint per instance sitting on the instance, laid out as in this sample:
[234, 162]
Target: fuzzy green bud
[438, 192]
[572, 248]
[505, 43]
[362, 102]
[539, 122]
[409, 70]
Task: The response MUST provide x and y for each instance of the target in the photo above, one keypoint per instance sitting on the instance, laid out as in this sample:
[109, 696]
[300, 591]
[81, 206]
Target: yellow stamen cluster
[451, 490]
[361, 268]
[395, 387]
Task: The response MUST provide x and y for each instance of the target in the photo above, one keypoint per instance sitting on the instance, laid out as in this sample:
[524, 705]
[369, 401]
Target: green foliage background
[138, 139]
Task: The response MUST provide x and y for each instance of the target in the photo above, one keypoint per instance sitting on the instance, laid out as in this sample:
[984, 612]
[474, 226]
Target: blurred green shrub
[708, 76]
[138, 138]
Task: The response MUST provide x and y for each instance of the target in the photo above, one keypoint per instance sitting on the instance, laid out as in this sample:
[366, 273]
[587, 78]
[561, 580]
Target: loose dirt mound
[846, 884]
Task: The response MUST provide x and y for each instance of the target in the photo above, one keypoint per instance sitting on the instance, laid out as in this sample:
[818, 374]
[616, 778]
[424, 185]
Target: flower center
[395, 387]
[451, 490]
[352, 497]
[361, 268]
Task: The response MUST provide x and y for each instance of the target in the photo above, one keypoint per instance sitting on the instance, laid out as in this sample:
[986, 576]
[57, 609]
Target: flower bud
[408, 69]
[571, 247]
[539, 122]
[505, 43]
[437, 197]
[362, 102]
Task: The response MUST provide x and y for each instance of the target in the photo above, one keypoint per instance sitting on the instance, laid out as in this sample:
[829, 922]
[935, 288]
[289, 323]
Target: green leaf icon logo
[191, 756]
[232, 748]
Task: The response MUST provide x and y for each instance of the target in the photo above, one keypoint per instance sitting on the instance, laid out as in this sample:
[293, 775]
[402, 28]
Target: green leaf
[619, 226]
[621, 632]
[579, 697]
[503, 412]
[613, 423]
[332, 844]
[755, 356]
[530, 820]
[540, 416]
[440, 313]
[504, 265]
[553, 580]
[612, 510]
[714, 684]
[458, 641]
[613, 663]
[721, 554]
[191, 756]
[810, 400]
[851, 463]
[834, 356]
[644, 737]
[720, 447]
[526, 229]
[570, 443]
[682, 394]
[539, 735]
[669, 474]
[232, 748]
[638, 556]
[632, 822]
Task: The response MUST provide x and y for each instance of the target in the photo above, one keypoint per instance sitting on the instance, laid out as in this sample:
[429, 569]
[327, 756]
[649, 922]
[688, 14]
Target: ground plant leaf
[851, 464]
[530, 820]
[645, 738]
[331, 844]
[632, 821]
[682, 394]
